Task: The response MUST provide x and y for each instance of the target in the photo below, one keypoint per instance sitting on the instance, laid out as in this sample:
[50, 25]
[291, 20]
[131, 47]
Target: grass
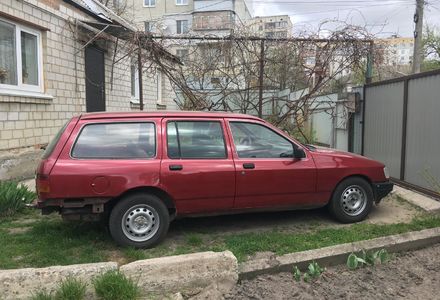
[71, 289]
[50, 241]
[246, 244]
[113, 285]
[42, 295]
[13, 198]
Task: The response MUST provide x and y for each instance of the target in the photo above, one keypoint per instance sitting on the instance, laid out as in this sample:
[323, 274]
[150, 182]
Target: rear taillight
[42, 185]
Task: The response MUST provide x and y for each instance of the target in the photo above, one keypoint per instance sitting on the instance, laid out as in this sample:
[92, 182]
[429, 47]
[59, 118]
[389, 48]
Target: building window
[182, 26]
[134, 74]
[149, 3]
[181, 2]
[20, 62]
[148, 26]
[182, 53]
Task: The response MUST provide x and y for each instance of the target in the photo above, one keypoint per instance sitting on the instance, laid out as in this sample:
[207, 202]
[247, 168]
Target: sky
[381, 17]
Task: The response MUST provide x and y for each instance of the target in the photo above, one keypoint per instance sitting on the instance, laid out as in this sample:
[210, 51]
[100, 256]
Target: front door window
[257, 141]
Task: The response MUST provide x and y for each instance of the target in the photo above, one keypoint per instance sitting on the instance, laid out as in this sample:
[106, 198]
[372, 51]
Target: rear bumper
[381, 189]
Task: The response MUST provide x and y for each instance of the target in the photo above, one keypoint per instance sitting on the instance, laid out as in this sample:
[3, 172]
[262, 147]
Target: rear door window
[116, 141]
[195, 139]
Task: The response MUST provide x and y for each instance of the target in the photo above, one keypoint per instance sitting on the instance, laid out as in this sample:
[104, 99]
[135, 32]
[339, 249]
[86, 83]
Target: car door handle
[249, 166]
[176, 167]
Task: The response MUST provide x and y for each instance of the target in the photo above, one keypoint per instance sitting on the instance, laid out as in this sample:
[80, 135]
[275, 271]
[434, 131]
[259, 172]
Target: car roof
[164, 114]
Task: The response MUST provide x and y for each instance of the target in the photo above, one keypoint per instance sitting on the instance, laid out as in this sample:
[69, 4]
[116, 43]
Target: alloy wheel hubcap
[140, 223]
[353, 200]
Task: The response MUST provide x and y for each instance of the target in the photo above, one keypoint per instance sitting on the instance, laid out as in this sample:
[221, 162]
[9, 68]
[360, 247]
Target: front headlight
[386, 173]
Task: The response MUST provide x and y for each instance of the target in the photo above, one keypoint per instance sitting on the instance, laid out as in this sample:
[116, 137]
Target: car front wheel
[139, 220]
[352, 200]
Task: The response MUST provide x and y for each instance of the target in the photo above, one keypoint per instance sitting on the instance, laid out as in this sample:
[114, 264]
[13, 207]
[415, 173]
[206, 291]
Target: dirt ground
[390, 210]
[413, 275]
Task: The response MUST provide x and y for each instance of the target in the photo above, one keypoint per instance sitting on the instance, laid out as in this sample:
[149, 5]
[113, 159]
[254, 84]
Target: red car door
[267, 175]
[197, 168]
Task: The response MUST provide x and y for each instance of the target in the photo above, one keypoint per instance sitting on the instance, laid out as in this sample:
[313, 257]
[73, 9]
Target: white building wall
[30, 121]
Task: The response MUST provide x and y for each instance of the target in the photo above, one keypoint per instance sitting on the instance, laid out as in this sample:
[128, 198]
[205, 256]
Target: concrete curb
[424, 202]
[338, 254]
[189, 273]
[22, 283]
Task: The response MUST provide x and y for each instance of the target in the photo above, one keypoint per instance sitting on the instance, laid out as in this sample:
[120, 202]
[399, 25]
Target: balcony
[212, 5]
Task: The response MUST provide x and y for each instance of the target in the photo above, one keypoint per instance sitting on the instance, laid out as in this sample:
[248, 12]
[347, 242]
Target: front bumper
[381, 189]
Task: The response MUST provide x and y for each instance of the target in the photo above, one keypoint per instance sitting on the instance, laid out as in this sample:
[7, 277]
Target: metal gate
[402, 128]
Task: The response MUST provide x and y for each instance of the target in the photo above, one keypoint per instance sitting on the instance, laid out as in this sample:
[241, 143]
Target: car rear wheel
[352, 200]
[139, 220]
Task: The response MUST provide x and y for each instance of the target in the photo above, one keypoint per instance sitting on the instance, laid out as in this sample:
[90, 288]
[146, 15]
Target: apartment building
[396, 51]
[184, 17]
[271, 26]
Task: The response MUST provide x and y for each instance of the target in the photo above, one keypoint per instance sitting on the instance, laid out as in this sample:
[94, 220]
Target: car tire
[352, 200]
[139, 220]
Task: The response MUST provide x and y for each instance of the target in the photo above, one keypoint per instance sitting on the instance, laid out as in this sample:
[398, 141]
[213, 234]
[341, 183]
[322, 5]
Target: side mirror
[299, 153]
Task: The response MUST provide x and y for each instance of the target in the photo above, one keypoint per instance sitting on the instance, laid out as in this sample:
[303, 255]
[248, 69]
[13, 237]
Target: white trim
[23, 93]
[22, 88]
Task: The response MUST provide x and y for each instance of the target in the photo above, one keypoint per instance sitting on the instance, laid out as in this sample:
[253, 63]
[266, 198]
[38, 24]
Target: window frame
[294, 145]
[20, 85]
[182, 4]
[136, 95]
[156, 135]
[225, 140]
[149, 3]
[150, 26]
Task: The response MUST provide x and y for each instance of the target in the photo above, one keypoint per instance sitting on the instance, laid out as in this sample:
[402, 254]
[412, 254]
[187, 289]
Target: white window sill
[24, 94]
[134, 101]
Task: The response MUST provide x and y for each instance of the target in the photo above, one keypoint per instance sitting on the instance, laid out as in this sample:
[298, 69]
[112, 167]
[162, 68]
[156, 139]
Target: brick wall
[27, 121]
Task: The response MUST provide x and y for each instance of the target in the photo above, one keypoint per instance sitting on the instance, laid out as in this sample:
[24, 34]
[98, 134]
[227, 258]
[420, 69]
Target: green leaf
[296, 273]
[352, 261]
[312, 268]
[361, 261]
[383, 256]
[306, 277]
[363, 254]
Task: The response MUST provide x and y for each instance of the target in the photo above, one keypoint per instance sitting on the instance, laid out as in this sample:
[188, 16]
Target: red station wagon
[141, 170]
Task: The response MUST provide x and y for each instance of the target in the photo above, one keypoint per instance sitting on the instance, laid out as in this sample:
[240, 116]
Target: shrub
[113, 285]
[14, 197]
[71, 289]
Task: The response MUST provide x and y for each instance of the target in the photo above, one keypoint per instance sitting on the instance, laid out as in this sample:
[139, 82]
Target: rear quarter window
[116, 141]
[54, 142]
